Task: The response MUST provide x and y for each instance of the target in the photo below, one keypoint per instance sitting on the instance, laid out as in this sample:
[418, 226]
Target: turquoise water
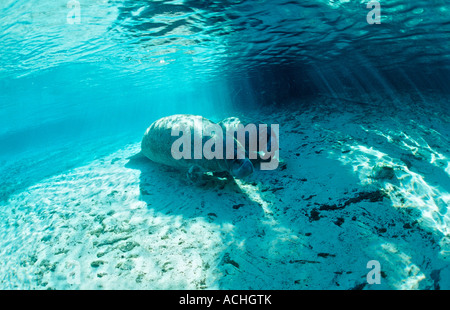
[76, 94]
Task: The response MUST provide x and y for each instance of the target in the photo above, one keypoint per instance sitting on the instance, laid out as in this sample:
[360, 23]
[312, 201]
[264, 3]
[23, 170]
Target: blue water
[73, 92]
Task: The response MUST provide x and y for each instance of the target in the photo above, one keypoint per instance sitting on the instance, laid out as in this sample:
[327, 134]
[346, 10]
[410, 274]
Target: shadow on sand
[153, 186]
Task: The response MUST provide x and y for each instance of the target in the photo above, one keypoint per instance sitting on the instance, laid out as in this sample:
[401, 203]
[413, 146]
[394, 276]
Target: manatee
[158, 144]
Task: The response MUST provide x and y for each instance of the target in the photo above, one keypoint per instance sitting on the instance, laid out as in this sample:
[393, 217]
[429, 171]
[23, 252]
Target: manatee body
[158, 141]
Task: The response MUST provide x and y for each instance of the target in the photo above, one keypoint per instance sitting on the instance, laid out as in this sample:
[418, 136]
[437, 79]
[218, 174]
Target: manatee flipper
[223, 174]
[195, 175]
[138, 156]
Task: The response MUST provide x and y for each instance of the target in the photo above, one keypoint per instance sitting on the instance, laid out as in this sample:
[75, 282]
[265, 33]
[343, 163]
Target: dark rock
[381, 230]
[310, 197]
[383, 173]
[375, 196]
[325, 207]
[339, 221]
[325, 255]
[275, 189]
[314, 215]
[227, 260]
[97, 263]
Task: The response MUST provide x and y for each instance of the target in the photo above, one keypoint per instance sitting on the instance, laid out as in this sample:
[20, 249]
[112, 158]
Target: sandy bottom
[362, 182]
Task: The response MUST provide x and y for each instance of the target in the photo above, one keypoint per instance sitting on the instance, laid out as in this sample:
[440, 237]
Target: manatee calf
[195, 144]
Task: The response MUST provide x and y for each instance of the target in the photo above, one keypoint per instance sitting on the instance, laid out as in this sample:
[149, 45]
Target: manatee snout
[241, 168]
